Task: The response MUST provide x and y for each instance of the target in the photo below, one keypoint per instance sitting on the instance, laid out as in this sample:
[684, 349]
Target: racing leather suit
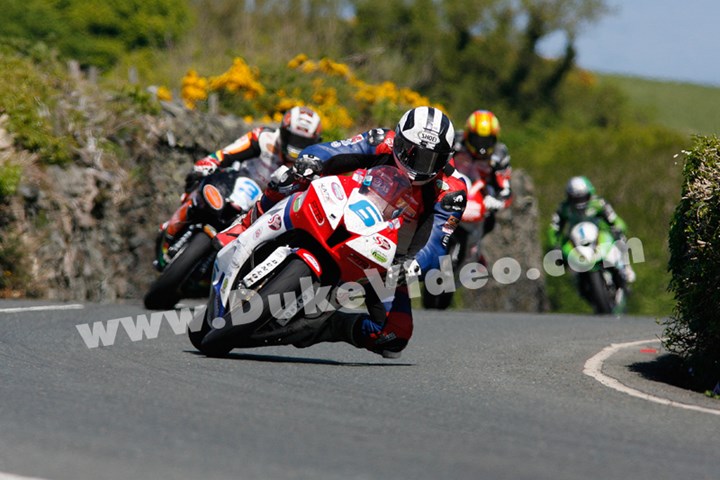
[388, 325]
[261, 143]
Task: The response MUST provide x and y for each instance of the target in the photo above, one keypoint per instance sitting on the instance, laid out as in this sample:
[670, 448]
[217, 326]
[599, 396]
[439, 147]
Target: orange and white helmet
[480, 136]
[300, 128]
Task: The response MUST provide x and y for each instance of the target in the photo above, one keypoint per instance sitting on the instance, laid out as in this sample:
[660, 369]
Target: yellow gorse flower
[297, 61]
[328, 87]
[194, 89]
[239, 78]
[164, 94]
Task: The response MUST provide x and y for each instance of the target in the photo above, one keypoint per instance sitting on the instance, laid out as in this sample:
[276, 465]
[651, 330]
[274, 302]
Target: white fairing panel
[362, 215]
[584, 234]
[332, 198]
[231, 258]
[245, 193]
[376, 248]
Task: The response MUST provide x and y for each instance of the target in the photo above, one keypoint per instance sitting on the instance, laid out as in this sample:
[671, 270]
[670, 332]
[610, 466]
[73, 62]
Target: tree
[472, 52]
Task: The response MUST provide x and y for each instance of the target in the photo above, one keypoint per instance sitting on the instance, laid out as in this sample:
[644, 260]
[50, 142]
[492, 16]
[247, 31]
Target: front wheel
[197, 330]
[285, 283]
[598, 293]
[166, 290]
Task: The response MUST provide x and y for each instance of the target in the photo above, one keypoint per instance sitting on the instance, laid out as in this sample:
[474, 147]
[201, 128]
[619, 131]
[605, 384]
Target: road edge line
[39, 308]
[593, 368]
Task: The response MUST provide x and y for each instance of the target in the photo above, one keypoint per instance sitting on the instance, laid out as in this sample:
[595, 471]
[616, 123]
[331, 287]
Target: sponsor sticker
[450, 225]
[338, 191]
[379, 256]
[324, 192]
[297, 203]
[275, 222]
[429, 137]
[213, 197]
[382, 242]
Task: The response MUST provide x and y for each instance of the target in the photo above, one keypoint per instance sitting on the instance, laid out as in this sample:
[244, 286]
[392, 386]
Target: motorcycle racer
[481, 159]
[582, 202]
[420, 146]
[272, 147]
[261, 151]
[479, 155]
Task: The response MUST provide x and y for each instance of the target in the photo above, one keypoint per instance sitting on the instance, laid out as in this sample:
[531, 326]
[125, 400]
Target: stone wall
[87, 230]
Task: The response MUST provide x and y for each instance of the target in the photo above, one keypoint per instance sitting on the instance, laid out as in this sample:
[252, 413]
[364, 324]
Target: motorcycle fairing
[376, 248]
[245, 193]
[590, 246]
[232, 257]
[333, 197]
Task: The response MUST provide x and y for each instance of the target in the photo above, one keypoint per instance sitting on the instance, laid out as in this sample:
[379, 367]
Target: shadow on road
[671, 370]
[310, 361]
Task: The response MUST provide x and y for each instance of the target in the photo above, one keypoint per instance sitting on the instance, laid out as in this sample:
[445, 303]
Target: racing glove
[493, 204]
[206, 166]
[307, 168]
[287, 180]
[201, 169]
[401, 271]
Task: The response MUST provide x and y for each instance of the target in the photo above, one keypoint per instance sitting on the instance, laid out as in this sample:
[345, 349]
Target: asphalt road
[475, 396]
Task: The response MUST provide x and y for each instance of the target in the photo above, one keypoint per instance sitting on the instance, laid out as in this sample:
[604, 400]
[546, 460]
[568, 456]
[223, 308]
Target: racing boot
[356, 329]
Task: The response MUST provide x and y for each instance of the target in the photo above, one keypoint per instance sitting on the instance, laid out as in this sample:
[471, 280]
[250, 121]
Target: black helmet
[423, 143]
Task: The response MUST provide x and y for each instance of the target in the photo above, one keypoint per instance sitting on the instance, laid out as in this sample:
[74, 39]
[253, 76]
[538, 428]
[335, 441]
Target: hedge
[693, 331]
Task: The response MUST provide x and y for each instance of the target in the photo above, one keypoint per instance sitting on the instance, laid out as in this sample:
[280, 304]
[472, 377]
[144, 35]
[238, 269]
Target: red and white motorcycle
[331, 234]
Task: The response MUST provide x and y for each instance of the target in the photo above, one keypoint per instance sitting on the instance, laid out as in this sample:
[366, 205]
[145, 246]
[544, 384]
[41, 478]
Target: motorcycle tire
[219, 342]
[195, 334]
[166, 290]
[598, 292]
[456, 250]
[436, 302]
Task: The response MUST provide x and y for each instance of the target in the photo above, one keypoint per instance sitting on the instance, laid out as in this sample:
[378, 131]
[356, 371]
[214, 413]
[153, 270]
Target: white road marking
[593, 368]
[10, 476]
[37, 308]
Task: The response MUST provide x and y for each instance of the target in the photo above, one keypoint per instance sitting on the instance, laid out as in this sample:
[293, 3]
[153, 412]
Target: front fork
[233, 256]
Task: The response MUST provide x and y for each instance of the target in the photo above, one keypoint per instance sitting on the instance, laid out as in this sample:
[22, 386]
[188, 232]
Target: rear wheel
[219, 342]
[436, 302]
[166, 290]
[456, 250]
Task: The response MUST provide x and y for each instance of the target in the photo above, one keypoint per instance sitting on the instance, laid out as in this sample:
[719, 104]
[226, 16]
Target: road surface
[474, 396]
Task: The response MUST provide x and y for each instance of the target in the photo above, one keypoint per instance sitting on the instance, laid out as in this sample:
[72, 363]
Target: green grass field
[687, 108]
[637, 167]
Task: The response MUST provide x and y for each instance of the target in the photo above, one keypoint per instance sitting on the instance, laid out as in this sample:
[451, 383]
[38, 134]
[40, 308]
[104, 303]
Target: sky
[660, 39]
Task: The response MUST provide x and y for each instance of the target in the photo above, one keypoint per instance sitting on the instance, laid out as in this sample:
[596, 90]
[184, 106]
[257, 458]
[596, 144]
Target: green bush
[693, 331]
[36, 86]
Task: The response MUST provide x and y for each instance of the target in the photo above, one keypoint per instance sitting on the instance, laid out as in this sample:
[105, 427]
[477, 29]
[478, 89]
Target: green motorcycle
[592, 254]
